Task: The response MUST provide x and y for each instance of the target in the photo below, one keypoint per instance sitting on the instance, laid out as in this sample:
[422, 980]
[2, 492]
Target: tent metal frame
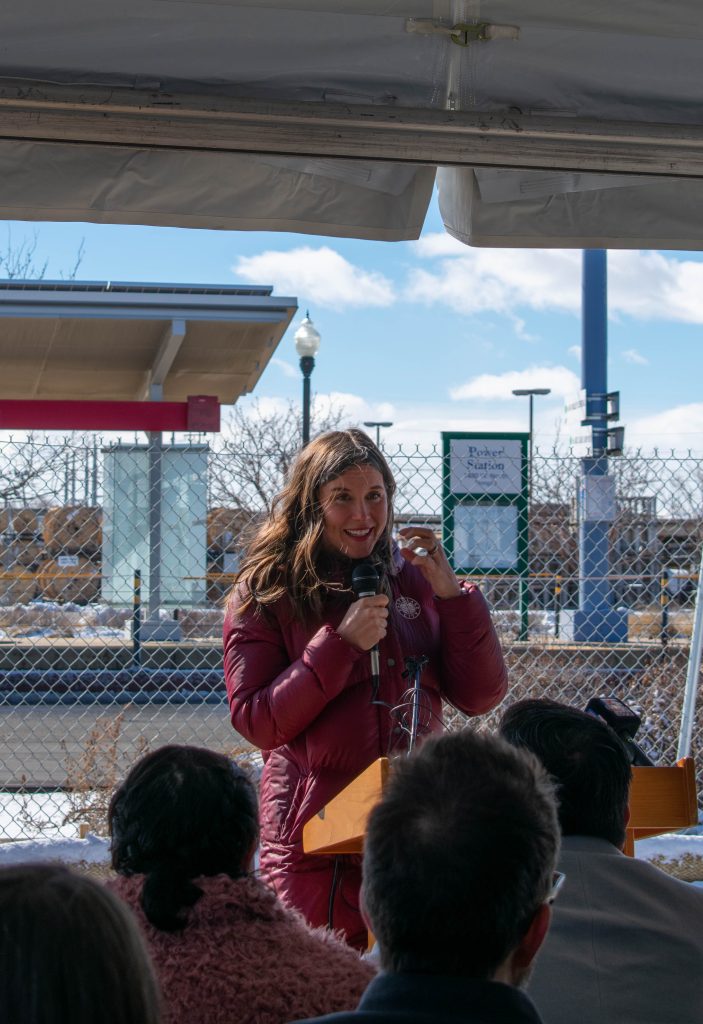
[34, 111]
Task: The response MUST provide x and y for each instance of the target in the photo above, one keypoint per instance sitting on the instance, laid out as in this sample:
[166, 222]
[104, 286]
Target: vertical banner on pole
[484, 503]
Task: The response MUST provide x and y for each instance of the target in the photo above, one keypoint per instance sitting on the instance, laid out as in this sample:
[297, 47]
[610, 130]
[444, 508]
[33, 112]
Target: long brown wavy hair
[286, 555]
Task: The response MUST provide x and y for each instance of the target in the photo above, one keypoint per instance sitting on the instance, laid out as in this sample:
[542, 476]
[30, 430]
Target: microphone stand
[414, 665]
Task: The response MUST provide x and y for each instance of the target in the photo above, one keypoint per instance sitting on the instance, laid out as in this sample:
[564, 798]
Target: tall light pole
[524, 584]
[377, 424]
[307, 344]
[530, 393]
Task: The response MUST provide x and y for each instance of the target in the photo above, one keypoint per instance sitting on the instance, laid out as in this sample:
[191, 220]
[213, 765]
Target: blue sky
[432, 334]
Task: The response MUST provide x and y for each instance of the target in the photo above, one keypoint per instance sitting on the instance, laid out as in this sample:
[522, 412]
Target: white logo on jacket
[408, 607]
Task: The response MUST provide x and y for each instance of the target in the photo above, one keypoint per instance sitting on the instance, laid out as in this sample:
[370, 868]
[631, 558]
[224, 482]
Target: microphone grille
[365, 578]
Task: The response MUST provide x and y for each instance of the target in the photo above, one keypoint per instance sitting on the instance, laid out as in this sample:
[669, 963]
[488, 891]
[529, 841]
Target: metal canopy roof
[121, 341]
[553, 122]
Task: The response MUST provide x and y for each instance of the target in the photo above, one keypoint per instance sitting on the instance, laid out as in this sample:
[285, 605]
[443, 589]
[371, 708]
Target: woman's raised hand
[366, 622]
[420, 547]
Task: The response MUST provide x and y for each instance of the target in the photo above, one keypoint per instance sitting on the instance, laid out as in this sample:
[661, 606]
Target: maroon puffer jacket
[303, 694]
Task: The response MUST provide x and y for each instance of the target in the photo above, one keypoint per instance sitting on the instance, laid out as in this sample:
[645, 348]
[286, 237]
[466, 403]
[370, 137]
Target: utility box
[136, 538]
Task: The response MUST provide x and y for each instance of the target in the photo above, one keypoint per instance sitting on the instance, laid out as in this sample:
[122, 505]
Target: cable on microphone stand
[414, 665]
[333, 892]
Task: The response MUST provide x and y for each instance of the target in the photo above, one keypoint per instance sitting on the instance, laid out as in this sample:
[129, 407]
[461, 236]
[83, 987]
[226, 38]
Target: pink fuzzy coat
[245, 959]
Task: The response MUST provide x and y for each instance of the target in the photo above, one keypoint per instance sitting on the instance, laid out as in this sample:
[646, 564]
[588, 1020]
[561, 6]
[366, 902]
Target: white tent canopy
[558, 122]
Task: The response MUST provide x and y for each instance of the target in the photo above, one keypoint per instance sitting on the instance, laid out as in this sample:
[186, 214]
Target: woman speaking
[297, 664]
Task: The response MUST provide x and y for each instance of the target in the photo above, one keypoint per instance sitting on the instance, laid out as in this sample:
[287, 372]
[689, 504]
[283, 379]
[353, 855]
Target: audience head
[70, 952]
[181, 813]
[587, 760]
[459, 860]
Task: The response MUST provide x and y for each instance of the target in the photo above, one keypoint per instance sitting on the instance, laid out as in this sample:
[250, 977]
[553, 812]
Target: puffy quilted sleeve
[474, 676]
[273, 699]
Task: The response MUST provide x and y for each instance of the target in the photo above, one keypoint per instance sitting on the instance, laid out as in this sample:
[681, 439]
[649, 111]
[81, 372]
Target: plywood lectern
[340, 826]
[661, 800]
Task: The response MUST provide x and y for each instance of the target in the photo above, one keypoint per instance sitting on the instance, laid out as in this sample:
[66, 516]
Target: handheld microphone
[365, 581]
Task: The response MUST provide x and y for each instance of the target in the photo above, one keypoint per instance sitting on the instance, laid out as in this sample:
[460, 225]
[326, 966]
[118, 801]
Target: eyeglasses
[557, 882]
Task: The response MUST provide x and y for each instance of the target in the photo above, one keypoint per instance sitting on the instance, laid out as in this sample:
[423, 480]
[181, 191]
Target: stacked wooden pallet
[52, 554]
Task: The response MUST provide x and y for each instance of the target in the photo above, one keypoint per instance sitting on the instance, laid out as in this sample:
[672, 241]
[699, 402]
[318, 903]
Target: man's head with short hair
[459, 859]
[585, 757]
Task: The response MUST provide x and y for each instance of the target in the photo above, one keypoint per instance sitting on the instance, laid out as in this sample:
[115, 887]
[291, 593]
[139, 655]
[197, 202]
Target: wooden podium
[661, 800]
[340, 826]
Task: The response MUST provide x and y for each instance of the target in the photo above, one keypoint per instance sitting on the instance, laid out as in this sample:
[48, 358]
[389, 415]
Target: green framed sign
[484, 502]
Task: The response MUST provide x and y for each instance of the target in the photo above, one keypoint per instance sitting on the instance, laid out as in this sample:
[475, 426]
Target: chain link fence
[116, 559]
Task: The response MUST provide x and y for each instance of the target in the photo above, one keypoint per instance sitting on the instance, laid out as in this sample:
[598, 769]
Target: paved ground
[46, 746]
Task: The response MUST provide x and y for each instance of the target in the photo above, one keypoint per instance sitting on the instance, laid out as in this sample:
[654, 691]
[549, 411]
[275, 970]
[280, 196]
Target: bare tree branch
[70, 275]
[18, 261]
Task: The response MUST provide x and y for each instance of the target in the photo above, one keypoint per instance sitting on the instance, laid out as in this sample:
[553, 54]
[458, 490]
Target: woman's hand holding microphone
[366, 622]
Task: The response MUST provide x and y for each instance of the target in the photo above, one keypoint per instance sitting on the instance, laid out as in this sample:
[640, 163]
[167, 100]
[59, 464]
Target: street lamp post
[307, 344]
[377, 424]
[530, 393]
[524, 585]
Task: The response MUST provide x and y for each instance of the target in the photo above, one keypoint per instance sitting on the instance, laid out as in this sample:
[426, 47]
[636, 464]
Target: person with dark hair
[297, 664]
[626, 943]
[458, 877]
[184, 827]
[589, 761]
[70, 952]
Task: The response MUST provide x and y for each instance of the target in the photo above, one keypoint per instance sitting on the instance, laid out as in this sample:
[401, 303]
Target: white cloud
[262, 405]
[521, 329]
[487, 386]
[679, 428]
[631, 355]
[641, 284]
[413, 422]
[652, 286]
[321, 277]
[500, 280]
[439, 244]
[575, 351]
[286, 368]
[355, 408]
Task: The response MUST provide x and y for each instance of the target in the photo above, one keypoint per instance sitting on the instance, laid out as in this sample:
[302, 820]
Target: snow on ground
[41, 817]
[55, 841]
[91, 850]
[96, 849]
[35, 815]
[670, 847]
[34, 824]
